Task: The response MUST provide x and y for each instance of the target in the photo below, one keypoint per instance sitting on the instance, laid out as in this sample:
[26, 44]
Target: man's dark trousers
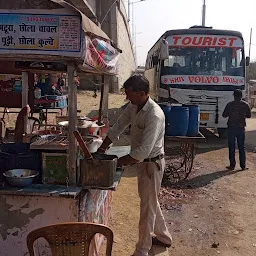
[236, 133]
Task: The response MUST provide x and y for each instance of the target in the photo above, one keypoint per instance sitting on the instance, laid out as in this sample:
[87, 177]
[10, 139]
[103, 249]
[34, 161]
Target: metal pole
[250, 45]
[133, 26]
[129, 12]
[203, 13]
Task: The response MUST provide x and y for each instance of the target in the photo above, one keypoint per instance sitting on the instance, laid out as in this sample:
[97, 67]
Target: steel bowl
[20, 177]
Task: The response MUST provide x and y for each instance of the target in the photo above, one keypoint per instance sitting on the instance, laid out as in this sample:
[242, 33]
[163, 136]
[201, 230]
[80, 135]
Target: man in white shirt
[147, 122]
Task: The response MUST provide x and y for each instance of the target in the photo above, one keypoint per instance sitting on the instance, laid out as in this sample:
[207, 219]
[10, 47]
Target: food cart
[180, 154]
[61, 39]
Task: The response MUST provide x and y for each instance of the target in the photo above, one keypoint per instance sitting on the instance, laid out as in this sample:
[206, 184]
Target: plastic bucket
[166, 107]
[194, 119]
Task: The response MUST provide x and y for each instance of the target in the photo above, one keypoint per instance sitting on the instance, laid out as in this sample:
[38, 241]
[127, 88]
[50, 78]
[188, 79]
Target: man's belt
[154, 159]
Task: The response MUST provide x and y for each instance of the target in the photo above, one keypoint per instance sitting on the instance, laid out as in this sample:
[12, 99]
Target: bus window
[204, 61]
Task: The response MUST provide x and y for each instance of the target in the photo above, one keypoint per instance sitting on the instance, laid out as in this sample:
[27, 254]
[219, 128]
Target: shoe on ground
[155, 241]
[230, 168]
[244, 168]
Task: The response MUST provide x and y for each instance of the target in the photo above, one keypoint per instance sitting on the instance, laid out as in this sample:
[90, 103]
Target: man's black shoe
[155, 241]
[230, 168]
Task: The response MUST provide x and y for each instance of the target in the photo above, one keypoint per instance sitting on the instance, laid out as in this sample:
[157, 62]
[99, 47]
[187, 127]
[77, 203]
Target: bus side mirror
[164, 50]
[247, 61]
[155, 60]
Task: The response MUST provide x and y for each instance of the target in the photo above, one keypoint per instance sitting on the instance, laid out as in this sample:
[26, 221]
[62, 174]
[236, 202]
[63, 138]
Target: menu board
[45, 33]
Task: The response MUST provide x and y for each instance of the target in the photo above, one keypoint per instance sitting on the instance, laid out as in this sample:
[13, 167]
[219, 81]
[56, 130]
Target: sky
[151, 18]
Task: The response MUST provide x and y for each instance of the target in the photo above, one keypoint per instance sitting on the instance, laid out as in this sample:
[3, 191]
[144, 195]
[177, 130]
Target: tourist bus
[199, 65]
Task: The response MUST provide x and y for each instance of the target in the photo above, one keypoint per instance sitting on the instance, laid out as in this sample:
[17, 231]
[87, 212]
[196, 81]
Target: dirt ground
[88, 105]
[212, 213]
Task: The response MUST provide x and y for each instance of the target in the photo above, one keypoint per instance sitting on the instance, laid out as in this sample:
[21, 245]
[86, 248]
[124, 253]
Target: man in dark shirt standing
[237, 111]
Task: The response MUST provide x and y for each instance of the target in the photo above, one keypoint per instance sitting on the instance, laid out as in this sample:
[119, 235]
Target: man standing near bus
[147, 122]
[237, 111]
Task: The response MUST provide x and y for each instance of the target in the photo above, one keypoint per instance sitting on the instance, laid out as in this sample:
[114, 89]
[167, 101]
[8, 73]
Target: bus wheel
[222, 133]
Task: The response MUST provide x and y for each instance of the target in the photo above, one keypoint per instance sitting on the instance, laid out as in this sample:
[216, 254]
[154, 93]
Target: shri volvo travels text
[199, 65]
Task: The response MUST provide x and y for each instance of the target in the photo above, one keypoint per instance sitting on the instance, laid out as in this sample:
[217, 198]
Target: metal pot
[98, 172]
[20, 177]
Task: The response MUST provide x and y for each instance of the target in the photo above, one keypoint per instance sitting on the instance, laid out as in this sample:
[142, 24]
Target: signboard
[203, 79]
[40, 32]
[205, 41]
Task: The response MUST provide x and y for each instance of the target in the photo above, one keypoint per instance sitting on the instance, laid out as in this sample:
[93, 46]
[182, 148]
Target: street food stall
[56, 38]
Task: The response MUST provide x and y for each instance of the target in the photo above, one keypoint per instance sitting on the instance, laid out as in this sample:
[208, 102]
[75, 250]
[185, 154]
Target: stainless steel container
[92, 142]
[20, 177]
[99, 172]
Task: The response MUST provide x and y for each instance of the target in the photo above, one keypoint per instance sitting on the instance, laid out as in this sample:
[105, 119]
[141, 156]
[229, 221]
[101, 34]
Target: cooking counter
[26, 209]
[39, 205]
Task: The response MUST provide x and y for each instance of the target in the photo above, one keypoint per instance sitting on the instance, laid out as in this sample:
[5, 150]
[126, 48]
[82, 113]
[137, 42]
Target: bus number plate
[204, 116]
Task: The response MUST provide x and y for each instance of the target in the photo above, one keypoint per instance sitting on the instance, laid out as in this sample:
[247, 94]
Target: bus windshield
[207, 61]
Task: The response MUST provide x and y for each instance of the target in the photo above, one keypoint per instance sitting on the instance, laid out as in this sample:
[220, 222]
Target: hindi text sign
[40, 32]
